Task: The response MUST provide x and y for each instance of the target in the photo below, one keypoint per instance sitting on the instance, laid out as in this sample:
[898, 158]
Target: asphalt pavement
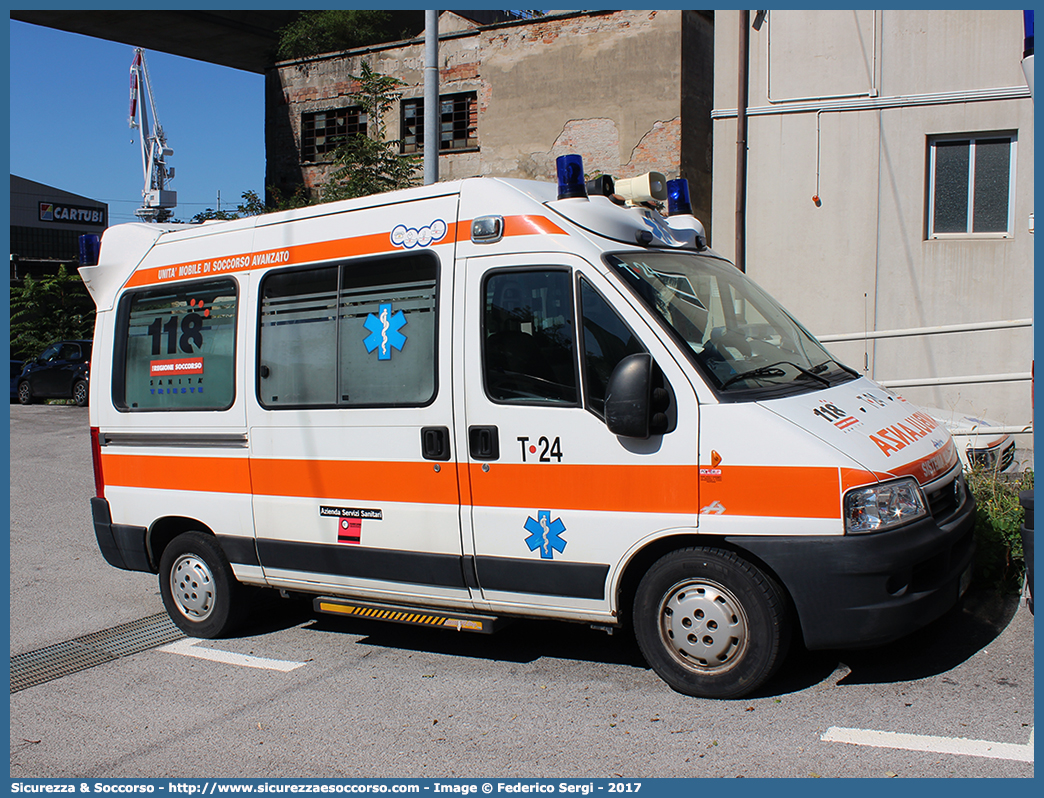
[301, 695]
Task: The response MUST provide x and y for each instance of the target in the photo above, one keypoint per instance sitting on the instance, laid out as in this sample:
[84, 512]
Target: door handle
[484, 443]
[435, 443]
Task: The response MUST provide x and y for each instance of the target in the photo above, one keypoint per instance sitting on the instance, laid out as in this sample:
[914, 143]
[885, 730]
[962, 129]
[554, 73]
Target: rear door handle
[484, 443]
[435, 443]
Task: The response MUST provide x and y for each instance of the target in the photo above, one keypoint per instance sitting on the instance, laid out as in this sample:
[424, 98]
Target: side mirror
[627, 397]
[635, 399]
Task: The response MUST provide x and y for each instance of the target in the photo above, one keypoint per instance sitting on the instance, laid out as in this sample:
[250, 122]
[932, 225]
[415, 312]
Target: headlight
[986, 458]
[879, 507]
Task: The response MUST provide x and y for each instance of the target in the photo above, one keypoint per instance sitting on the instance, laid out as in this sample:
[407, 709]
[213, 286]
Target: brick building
[630, 91]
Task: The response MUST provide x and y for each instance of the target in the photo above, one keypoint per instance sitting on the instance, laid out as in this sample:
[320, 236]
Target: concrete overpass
[244, 40]
[239, 39]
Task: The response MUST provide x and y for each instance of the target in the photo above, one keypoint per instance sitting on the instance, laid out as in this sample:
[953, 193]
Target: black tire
[25, 393]
[200, 592]
[80, 393]
[709, 623]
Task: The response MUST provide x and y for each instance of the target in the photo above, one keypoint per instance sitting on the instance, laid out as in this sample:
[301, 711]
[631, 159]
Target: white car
[982, 448]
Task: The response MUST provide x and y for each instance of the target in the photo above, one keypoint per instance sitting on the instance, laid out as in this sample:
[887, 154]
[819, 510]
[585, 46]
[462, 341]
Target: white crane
[155, 195]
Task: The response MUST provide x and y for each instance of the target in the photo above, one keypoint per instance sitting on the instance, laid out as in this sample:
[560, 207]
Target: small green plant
[371, 164]
[999, 561]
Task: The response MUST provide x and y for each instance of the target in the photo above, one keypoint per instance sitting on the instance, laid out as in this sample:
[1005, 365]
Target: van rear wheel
[709, 623]
[199, 590]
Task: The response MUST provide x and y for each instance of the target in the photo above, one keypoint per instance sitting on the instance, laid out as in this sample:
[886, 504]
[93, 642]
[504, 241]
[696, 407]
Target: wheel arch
[164, 530]
[641, 560]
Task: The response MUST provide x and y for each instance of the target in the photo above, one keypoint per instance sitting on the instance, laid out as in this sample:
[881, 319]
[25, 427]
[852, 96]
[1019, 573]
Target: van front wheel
[199, 590]
[709, 623]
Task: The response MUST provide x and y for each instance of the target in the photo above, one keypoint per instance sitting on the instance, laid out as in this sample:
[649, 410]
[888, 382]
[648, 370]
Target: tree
[315, 32]
[252, 205]
[298, 199]
[49, 309]
[368, 163]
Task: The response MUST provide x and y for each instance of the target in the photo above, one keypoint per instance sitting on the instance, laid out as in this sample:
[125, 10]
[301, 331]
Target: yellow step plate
[417, 616]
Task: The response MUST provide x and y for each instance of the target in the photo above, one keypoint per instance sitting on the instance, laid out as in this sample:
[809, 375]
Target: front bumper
[857, 591]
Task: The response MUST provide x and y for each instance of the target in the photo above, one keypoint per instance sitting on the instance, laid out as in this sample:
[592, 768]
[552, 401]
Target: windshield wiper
[771, 370]
[823, 367]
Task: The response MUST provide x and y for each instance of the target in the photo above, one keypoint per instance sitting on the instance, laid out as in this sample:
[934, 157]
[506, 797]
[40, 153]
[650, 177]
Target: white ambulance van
[494, 398]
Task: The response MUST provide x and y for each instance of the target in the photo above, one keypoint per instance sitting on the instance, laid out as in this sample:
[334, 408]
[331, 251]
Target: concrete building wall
[843, 106]
[608, 85]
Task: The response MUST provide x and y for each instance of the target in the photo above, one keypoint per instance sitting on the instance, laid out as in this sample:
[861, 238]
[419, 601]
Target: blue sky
[69, 104]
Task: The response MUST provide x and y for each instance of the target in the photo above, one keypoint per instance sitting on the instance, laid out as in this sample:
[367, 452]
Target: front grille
[1007, 457]
[993, 458]
[945, 499]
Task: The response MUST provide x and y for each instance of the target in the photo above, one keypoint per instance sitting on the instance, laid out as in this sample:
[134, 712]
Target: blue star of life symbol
[384, 331]
[545, 534]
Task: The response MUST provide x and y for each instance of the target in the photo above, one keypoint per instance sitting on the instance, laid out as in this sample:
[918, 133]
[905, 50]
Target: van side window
[528, 337]
[359, 334]
[606, 341]
[179, 345]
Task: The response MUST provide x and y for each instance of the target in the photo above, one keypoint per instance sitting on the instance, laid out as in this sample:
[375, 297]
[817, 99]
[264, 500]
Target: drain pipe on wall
[741, 144]
[431, 97]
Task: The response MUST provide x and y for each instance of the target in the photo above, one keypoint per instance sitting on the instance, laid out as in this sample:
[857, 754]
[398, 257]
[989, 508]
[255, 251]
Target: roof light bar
[90, 246]
[678, 197]
[570, 170]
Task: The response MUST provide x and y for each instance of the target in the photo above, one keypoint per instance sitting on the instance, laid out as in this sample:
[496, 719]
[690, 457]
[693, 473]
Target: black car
[16, 372]
[62, 371]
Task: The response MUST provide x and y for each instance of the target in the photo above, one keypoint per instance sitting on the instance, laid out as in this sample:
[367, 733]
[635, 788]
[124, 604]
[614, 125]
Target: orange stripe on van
[857, 477]
[647, 488]
[738, 490]
[355, 479]
[320, 251]
[205, 474]
[783, 491]
[930, 467]
[218, 265]
[766, 491]
[531, 226]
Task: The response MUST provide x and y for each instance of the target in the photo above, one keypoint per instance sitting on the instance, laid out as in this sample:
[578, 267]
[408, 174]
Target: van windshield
[747, 345]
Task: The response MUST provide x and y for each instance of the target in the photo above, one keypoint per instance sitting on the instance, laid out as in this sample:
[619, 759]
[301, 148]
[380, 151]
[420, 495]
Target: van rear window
[179, 347]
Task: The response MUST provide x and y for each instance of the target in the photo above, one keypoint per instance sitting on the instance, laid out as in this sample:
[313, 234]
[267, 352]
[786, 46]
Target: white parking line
[958, 746]
[188, 648]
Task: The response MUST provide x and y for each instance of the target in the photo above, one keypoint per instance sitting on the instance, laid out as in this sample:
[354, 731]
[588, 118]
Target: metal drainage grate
[63, 659]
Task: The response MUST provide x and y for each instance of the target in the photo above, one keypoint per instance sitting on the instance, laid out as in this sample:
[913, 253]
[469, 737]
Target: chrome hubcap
[192, 586]
[704, 626]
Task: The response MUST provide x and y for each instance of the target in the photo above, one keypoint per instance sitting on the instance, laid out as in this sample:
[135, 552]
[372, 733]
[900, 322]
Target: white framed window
[971, 185]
